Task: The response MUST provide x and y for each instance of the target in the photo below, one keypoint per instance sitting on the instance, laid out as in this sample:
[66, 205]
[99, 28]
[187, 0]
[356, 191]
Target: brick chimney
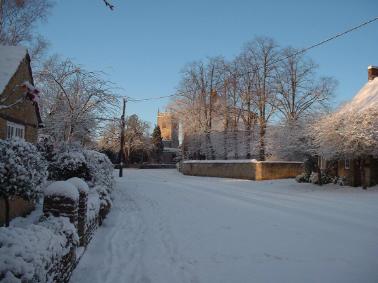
[372, 72]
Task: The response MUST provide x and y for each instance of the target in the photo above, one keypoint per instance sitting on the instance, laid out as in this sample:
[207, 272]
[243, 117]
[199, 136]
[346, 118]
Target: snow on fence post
[61, 199]
[83, 189]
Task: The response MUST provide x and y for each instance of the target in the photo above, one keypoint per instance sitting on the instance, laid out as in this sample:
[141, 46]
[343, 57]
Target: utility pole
[122, 139]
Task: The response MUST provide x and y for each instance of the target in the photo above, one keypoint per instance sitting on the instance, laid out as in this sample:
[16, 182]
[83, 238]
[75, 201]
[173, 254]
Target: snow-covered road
[166, 227]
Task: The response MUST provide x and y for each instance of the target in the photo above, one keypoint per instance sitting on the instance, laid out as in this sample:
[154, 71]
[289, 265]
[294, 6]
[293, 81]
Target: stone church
[169, 129]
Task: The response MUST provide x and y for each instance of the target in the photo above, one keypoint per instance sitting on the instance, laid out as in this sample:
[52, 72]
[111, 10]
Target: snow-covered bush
[93, 206]
[79, 184]
[314, 178]
[340, 181]
[325, 178]
[100, 168]
[22, 170]
[45, 146]
[28, 253]
[104, 194]
[303, 178]
[67, 164]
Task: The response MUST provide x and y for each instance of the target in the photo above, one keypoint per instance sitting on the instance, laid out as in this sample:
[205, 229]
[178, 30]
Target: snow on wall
[62, 188]
[237, 161]
[79, 184]
[222, 161]
[10, 59]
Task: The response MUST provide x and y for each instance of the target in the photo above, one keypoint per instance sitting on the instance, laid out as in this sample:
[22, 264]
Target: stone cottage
[19, 110]
[350, 169]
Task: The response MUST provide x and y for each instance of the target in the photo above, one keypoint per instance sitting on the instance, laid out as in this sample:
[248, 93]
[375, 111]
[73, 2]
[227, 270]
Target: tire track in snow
[177, 260]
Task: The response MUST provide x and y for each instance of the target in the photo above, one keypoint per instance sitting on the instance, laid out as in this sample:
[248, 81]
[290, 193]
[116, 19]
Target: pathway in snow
[165, 227]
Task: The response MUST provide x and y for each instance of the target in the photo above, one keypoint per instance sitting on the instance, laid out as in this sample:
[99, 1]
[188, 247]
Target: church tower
[169, 129]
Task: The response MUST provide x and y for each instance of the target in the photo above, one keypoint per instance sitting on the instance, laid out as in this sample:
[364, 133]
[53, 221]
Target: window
[15, 130]
[163, 125]
[347, 164]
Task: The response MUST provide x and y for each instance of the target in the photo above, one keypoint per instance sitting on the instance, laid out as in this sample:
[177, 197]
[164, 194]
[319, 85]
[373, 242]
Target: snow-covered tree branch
[75, 101]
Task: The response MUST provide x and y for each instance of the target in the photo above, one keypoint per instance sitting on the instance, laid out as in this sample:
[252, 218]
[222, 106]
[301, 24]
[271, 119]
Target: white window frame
[15, 130]
[347, 164]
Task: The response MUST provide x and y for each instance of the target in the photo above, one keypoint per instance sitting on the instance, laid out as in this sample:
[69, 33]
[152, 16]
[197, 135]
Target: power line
[150, 98]
[301, 51]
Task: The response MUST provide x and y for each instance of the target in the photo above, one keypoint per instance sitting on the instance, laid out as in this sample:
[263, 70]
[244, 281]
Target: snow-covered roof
[367, 97]
[10, 59]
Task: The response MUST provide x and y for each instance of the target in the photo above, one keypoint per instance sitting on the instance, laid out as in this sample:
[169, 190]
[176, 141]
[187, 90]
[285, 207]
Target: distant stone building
[169, 129]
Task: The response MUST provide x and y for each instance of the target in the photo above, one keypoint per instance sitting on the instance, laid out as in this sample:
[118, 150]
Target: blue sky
[143, 45]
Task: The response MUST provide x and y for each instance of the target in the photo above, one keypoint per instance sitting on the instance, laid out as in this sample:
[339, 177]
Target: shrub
[67, 164]
[27, 254]
[340, 181]
[325, 178]
[100, 168]
[23, 170]
[104, 194]
[314, 178]
[45, 146]
[303, 178]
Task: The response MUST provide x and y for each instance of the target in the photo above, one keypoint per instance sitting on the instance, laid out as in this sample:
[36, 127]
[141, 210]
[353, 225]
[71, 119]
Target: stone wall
[243, 169]
[76, 211]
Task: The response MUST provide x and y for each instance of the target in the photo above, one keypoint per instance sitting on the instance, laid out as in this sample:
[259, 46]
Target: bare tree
[18, 21]
[234, 106]
[261, 55]
[197, 98]
[135, 137]
[297, 87]
[75, 101]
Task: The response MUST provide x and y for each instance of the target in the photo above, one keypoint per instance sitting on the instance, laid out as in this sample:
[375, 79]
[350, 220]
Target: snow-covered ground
[166, 227]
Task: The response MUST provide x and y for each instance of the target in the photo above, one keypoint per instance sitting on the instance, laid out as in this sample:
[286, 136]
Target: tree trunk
[209, 147]
[235, 142]
[262, 140]
[319, 173]
[248, 142]
[225, 139]
[362, 171]
[6, 200]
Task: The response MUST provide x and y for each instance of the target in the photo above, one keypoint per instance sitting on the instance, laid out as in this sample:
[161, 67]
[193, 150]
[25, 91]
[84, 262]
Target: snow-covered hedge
[27, 254]
[100, 168]
[104, 194]
[93, 206]
[67, 164]
[92, 166]
[79, 184]
[22, 169]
